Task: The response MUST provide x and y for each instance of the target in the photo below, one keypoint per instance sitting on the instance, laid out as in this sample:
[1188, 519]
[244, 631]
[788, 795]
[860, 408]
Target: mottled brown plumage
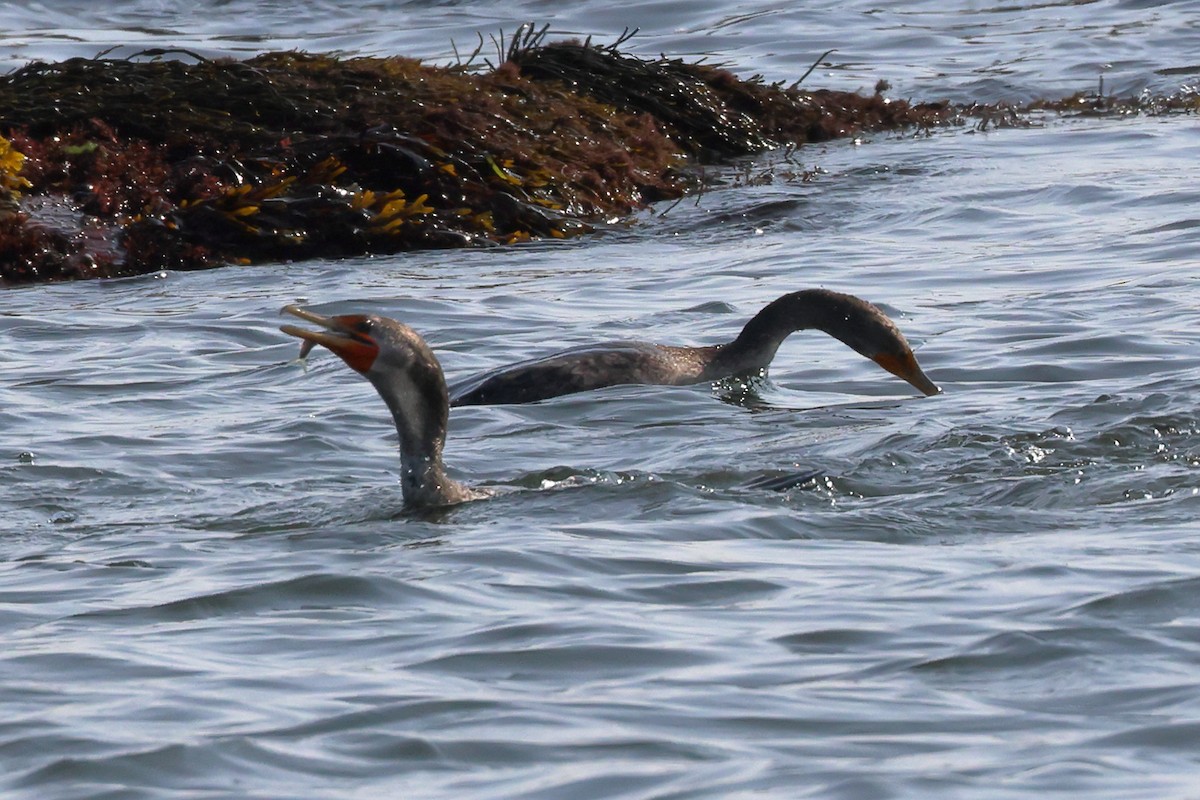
[850, 319]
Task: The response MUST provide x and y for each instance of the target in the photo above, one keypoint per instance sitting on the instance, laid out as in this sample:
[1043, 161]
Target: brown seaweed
[167, 160]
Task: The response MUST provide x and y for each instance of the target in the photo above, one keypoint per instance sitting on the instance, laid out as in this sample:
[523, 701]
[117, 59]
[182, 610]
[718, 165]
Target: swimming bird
[407, 375]
[403, 369]
[847, 318]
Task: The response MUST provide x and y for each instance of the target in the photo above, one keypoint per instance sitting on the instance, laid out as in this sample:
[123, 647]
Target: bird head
[378, 348]
[353, 337]
[392, 356]
[864, 327]
[851, 320]
[877, 337]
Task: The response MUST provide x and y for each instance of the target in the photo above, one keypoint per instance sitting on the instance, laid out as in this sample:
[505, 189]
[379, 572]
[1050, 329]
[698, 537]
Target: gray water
[209, 587]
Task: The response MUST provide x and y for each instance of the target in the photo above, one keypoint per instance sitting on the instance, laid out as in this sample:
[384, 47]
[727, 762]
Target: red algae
[112, 167]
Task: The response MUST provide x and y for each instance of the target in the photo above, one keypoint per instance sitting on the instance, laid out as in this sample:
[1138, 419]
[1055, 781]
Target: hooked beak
[356, 348]
[906, 367]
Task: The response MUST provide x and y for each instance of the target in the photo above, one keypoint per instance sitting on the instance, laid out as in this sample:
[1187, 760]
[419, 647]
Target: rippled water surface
[209, 586]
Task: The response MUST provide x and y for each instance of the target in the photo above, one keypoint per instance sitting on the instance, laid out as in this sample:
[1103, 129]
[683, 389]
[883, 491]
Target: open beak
[907, 368]
[354, 347]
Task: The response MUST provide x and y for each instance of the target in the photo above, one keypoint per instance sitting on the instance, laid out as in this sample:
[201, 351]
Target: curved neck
[755, 347]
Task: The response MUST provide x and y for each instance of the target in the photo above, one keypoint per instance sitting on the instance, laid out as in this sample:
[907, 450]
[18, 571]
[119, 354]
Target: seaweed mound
[168, 160]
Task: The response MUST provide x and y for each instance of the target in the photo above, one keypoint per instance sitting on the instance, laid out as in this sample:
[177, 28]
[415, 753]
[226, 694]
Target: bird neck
[424, 483]
[755, 347]
[420, 409]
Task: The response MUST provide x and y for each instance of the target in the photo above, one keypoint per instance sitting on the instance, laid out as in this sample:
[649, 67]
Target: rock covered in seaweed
[292, 156]
[125, 166]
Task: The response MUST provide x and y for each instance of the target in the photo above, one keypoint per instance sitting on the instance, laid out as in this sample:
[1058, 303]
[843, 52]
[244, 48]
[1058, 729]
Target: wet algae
[167, 160]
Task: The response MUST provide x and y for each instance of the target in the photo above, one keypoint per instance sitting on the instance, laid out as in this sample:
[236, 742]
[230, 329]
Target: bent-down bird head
[855, 322]
[873, 334]
[903, 364]
[865, 328]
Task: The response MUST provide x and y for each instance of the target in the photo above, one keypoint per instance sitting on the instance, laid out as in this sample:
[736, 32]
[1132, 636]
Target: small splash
[571, 479]
[301, 361]
[786, 481]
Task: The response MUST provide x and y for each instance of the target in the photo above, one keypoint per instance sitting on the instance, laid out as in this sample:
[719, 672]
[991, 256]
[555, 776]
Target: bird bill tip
[305, 314]
[928, 387]
[907, 368]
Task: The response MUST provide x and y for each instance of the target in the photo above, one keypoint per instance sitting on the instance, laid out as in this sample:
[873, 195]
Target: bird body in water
[850, 319]
[406, 373]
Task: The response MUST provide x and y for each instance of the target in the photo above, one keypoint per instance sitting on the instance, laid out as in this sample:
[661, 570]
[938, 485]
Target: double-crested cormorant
[407, 375]
[845, 317]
